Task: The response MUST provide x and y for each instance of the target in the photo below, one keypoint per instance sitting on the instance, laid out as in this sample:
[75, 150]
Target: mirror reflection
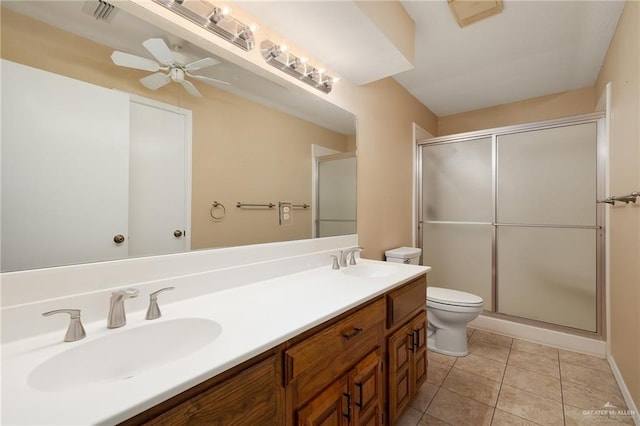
[106, 158]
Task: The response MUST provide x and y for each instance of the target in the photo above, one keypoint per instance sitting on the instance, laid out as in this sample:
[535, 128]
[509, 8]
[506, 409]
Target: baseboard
[635, 415]
[540, 335]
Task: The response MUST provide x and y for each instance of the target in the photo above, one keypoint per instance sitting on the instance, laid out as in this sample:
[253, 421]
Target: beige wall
[242, 151]
[622, 68]
[558, 105]
[385, 114]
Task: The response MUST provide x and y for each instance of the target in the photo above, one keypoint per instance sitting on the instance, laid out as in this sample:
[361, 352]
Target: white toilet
[448, 313]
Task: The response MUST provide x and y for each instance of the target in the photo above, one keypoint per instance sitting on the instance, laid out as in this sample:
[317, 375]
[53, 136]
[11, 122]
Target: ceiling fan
[168, 66]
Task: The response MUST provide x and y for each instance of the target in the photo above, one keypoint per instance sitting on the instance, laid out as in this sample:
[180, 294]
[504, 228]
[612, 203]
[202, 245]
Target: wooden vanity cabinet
[331, 381]
[334, 376]
[354, 399]
[251, 396]
[406, 345]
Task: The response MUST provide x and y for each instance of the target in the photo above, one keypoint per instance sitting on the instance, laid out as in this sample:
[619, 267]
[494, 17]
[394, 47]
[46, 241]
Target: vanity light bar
[298, 67]
[217, 20]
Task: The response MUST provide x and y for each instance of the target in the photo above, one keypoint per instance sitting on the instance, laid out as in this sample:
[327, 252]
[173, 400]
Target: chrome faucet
[345, 253]
[117, 317]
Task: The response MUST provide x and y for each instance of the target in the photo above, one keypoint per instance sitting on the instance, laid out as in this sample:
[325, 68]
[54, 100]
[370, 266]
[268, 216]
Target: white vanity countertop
[254, 318]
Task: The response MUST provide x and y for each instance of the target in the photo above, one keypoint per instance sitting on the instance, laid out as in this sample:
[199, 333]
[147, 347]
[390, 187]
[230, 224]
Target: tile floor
[505, 381]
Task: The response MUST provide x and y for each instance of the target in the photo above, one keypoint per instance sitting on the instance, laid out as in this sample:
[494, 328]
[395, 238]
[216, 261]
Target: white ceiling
[533, 48]
[337, 32]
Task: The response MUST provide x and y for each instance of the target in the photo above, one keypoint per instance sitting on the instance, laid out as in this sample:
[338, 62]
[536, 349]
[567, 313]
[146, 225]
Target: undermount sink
[370, 270]
[124, 354]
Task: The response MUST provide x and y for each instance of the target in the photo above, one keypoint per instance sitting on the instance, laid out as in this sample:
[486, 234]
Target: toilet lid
[453, 297]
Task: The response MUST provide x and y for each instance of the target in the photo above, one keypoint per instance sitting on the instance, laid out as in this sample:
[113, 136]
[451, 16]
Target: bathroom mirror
[94, 163]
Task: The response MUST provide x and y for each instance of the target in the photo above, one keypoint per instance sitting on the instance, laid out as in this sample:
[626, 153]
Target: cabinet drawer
[252, 397]
[401, 303]
[340, 345]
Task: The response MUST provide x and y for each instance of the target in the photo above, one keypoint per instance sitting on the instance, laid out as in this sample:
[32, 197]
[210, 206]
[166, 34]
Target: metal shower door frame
[601, 165]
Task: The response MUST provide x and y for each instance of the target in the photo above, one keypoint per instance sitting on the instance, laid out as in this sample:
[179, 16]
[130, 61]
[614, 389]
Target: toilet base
[451, 342]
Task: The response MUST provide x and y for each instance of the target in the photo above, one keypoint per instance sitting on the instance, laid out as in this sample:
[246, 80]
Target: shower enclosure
[336, 195]
[511, 215]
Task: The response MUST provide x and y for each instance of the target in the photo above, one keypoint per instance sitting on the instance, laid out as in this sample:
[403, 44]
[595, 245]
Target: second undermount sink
[370, 270]
[124, 354]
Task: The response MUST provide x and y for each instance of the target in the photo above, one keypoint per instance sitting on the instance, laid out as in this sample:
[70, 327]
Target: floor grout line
[501, 382]
[557, 359]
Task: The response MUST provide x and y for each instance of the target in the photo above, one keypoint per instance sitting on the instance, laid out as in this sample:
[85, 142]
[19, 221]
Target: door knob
[118, 239]
[177, 233]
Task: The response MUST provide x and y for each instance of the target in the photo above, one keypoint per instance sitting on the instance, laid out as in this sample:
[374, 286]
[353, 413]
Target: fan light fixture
[279, 56]
[168, 66]
[215, 19]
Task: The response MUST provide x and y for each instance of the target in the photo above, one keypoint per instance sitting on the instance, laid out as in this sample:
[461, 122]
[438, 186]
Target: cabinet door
[329, 408]
[399, 380]
[419, 364]
[407, 364]
[365, 387]
[253, 397]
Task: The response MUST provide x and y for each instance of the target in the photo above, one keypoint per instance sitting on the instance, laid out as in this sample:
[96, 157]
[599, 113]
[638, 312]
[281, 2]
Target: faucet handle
[153, 312]
[75, 331]
[353, 255]
[335, 265]
[127, 293]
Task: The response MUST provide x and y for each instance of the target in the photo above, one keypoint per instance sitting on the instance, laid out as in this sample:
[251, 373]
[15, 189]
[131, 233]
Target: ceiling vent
[469, 11]
[100, 10]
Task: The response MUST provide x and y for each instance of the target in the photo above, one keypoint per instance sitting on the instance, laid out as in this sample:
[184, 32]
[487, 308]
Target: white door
[160, 182]
[65, 170]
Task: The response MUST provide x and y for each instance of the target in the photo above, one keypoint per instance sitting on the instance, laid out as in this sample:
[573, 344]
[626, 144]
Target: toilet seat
[450, 297]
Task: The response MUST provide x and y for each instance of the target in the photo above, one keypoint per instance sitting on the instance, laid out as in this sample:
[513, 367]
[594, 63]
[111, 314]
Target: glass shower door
[457, 215]
[336, 193]
[546, 225]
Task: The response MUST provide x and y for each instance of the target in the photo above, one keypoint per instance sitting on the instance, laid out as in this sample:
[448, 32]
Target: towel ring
[218, 211]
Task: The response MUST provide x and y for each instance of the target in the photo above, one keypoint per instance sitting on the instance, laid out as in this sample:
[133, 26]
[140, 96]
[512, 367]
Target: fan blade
[191, 89]
[202, 63]
[155, 81]
[132, 61]
[159, 49]
[207, 79]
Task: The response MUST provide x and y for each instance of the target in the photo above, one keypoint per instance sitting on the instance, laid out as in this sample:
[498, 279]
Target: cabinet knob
[177, 233]
[118, 239]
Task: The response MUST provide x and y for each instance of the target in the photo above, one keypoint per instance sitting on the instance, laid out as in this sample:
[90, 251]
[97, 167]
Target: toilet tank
[410, 255]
